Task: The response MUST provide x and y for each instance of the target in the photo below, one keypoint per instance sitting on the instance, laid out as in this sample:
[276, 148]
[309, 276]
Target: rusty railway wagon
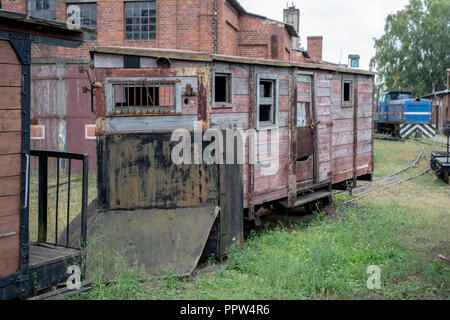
[27, 267]
[315, 118]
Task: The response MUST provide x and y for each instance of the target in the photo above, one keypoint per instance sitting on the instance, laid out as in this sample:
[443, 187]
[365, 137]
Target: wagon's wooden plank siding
[270, 182]
[229, 121]
[342, 133]
[363, 159]
[324, 116]
[9, 255]
[10, 149]
[9, 164]
[364, 135]
[9, 223]
[9, 71]
[10, 205]
[10, 186]
[365, 126]
[10, 98]
[11, 120]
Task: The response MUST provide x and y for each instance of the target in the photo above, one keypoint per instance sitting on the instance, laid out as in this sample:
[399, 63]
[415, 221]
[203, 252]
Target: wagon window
[45, 9]
[140, 20]
[143, 97]
[222, 88]
[347, 93]
[267, 103]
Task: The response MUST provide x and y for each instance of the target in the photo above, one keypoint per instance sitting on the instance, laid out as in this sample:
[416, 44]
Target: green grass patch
[403, 230]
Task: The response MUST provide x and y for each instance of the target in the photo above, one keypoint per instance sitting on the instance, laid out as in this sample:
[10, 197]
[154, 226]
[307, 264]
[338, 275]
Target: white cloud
[348, 26]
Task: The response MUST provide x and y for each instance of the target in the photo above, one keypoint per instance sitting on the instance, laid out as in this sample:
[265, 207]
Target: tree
[414, 51]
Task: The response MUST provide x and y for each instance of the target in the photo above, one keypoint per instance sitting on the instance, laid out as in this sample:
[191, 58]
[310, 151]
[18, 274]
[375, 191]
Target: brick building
[61, 110]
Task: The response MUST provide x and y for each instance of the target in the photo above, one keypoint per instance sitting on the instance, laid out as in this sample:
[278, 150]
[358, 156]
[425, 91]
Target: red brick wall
[228, 30]
[315, 47]
[255, 38]
[180, 24]
[15, 5]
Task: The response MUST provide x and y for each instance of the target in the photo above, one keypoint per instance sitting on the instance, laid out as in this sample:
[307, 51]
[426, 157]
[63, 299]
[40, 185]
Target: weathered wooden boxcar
[315, 118]
[25, 267]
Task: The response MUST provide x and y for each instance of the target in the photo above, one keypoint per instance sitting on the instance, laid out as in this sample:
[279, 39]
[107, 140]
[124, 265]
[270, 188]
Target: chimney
[291, 15]
[315, 47]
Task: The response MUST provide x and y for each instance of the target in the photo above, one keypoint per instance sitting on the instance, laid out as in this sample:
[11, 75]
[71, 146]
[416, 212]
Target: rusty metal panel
[231, 205]
[136, 171]
[157, 239]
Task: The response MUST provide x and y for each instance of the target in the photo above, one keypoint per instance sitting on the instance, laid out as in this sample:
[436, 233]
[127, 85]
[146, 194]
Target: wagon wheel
[320, 204]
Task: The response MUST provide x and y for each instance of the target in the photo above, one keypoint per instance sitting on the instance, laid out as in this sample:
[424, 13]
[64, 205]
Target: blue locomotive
[399, 114]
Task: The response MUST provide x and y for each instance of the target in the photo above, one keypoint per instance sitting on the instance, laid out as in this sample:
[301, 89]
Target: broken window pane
[265, 90]
[265, 113]
[222, 88]
[347, 92]
[267, 104]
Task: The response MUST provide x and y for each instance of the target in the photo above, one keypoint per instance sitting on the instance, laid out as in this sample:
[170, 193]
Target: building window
[347, 93]
[140, 20]
[222, 89]
[134, 97]
[45, 9]
[88, 17]
[267, 111]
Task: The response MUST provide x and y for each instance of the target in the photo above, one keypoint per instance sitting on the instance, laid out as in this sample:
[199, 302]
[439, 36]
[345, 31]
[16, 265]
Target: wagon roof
[436, 93]
[206, 57]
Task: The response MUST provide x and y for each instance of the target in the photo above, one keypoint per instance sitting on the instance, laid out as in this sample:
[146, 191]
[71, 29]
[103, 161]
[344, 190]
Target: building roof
[206, 57]
[238, 7]
[437, 93]
[20, 22]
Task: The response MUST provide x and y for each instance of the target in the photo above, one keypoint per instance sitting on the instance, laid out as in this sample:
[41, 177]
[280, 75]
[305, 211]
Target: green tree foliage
[414, 52]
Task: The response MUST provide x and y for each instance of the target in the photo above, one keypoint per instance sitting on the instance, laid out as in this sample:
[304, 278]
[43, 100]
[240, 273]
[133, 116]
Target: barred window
[143, 97]
[45, 9]
[88, 17]
[140, 20]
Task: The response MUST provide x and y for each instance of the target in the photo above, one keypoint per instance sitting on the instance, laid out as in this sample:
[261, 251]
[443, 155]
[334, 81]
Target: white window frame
[275, 97]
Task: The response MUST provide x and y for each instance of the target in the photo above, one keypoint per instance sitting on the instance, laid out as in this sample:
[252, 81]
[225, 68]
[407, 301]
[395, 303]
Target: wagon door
[305, 129]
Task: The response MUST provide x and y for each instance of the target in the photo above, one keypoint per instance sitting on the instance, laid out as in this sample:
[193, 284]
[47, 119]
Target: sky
[347, 26]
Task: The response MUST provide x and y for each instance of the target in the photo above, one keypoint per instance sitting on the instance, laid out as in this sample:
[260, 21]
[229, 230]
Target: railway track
[388, 181]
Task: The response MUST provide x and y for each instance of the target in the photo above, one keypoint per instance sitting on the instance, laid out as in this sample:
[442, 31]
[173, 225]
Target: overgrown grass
[74, 205]
[404, 230]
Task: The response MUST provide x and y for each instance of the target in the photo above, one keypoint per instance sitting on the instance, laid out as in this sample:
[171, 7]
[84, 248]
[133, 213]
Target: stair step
[304, 199]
